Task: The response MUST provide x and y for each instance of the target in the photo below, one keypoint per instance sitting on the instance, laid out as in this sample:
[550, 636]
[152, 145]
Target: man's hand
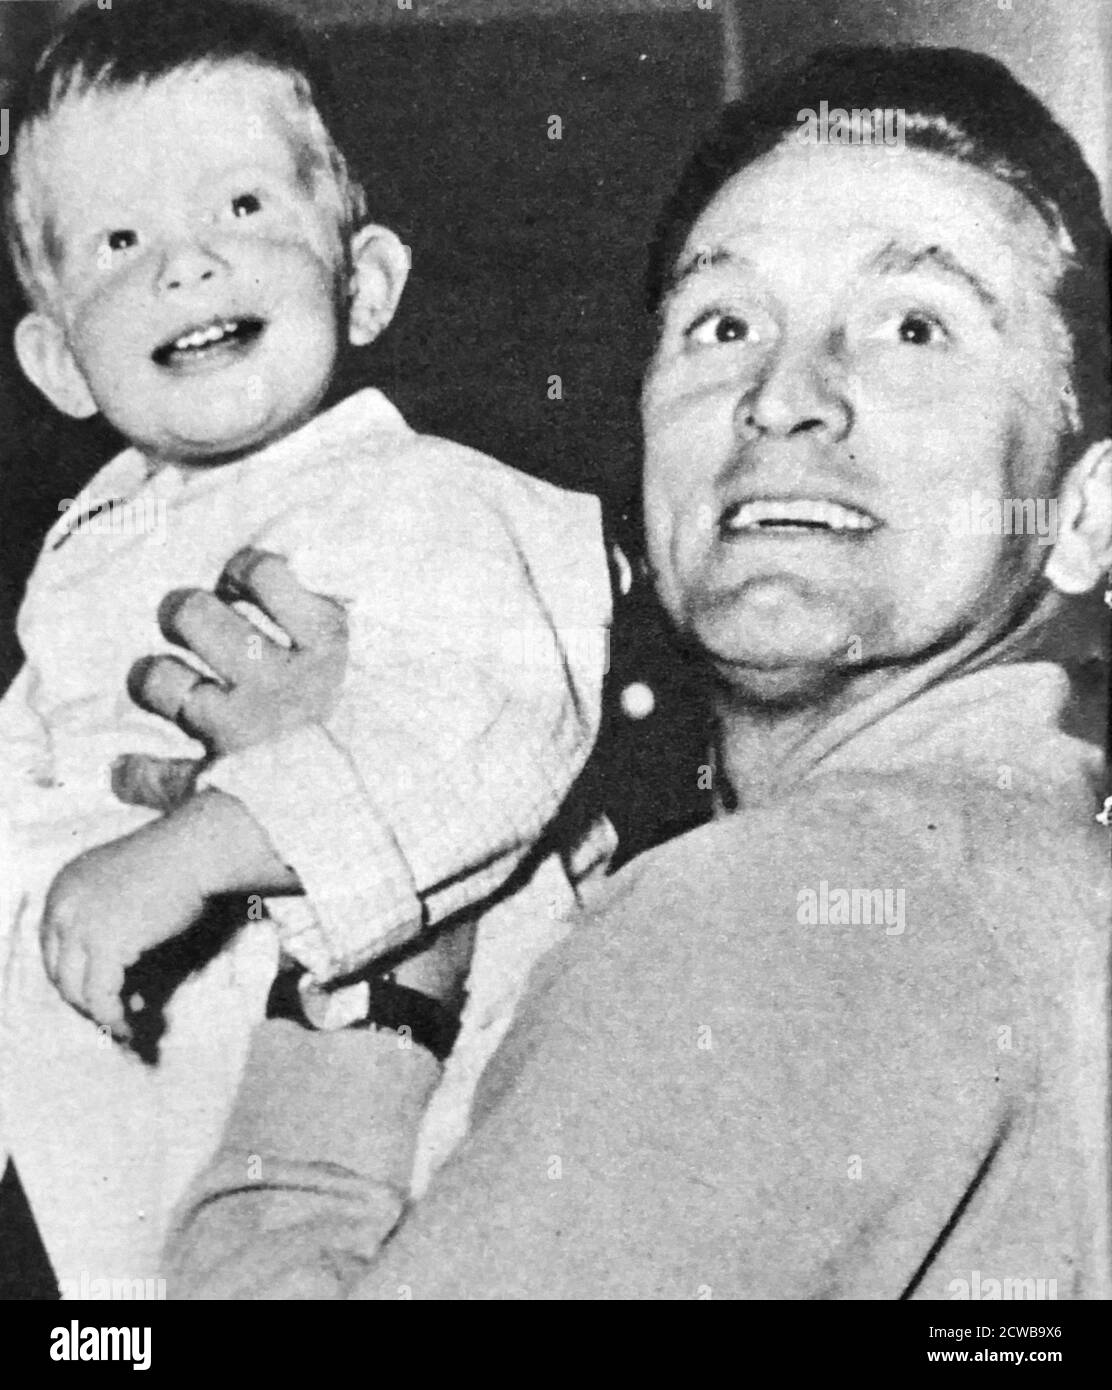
[104, 910]
[264, 690]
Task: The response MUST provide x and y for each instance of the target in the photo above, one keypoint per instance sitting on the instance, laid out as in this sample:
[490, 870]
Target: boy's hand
[265, 688]
[104, 910]
[141, 779]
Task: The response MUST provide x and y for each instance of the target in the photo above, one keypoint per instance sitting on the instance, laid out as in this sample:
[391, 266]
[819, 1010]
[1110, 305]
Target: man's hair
[140, 42]
[962, 105]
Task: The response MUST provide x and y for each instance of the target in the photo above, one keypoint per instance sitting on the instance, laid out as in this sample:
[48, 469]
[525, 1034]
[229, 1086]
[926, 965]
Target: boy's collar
[130, 470]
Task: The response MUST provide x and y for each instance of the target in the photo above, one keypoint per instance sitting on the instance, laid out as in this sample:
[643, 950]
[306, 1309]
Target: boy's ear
[40, 347]
[1082, 553]
[380, 268]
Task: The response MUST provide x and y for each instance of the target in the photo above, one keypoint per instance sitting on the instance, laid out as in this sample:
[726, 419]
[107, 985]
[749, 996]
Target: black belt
[430, 1023]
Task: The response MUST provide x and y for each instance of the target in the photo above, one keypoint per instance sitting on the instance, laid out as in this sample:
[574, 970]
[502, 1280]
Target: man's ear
[40, 347]
[1082, 553]
[380, 268]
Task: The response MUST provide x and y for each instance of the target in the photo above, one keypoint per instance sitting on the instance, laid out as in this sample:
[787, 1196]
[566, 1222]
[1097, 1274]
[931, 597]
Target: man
[850, 1039]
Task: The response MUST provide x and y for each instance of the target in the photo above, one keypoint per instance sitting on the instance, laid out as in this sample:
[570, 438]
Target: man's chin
[784, 686]
[785, 670]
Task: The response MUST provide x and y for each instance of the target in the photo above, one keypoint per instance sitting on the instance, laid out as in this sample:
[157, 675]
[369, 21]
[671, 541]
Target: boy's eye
[716, 327]
[246, 205]
[123, 239]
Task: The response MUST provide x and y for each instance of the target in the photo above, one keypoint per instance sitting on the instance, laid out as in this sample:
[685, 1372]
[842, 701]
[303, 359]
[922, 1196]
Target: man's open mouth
[795, 515]
[217, 337]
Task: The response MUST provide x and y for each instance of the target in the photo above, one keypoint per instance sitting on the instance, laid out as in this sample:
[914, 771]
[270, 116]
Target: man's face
[197, 274]
[859, 342]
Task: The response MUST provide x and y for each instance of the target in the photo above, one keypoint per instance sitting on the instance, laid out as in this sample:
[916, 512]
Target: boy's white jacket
[478, 605]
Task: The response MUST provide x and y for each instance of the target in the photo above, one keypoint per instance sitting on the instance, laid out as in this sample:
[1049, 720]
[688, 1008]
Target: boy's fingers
[50, 950]
[163, 684]
[101, 990]
[212, 715]
[267, 581]
[69, 976]
[222, 638]
[140, 779]
[167, 686]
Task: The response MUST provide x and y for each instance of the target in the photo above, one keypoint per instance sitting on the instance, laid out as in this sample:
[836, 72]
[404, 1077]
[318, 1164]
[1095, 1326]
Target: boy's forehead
[105, 140]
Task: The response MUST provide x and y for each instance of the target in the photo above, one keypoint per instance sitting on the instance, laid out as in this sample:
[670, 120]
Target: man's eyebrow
[897, 258]
[701, 260]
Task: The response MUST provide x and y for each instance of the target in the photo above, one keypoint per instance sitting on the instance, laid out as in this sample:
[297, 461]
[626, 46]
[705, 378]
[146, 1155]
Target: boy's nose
[187, 264]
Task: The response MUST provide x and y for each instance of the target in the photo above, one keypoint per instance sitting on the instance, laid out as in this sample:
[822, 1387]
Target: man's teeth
[830, 516]
[202, 337]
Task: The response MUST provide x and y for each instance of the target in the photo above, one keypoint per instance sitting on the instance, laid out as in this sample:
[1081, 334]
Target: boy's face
[198, 278]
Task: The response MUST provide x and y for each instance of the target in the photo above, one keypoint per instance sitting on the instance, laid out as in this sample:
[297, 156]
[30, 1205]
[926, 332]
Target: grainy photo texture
[557, 563]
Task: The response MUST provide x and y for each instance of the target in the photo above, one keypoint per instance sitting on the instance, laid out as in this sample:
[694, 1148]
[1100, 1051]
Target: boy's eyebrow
[897, 258]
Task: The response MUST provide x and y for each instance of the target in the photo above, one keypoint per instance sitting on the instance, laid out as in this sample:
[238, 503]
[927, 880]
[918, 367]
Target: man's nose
[187, 262]
[801, 390]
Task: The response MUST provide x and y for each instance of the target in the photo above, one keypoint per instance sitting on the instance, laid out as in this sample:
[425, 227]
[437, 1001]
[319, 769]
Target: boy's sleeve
[478, 611]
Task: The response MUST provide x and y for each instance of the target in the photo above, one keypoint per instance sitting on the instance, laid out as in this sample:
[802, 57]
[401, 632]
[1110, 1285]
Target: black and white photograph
[554, 632]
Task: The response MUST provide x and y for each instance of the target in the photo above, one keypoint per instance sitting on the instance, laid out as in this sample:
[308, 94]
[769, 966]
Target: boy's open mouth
[219, 337]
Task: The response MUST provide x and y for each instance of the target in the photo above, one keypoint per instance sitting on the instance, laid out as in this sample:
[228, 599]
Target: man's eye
[918, 329]
[122, 239]
[246, 205]
[717, 327]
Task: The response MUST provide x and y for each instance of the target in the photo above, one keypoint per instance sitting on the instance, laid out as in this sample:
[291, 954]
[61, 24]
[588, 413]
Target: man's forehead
[883, 210]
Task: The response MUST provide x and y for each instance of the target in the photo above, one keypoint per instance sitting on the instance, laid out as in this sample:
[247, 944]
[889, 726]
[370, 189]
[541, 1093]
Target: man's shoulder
[953, 872]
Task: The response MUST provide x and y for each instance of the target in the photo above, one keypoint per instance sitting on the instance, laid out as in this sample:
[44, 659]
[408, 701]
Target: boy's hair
[140, 42]
[964, 106]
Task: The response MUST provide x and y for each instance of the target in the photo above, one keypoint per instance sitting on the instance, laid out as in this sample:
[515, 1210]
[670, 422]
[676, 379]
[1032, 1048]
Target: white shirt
[477, 601]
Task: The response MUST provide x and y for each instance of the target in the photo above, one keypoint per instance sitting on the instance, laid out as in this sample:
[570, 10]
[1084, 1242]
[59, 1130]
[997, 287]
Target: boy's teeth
[201, 337]
[830, 516]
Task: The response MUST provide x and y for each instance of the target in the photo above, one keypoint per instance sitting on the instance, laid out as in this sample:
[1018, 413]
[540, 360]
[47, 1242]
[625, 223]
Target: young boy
[192, 245]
